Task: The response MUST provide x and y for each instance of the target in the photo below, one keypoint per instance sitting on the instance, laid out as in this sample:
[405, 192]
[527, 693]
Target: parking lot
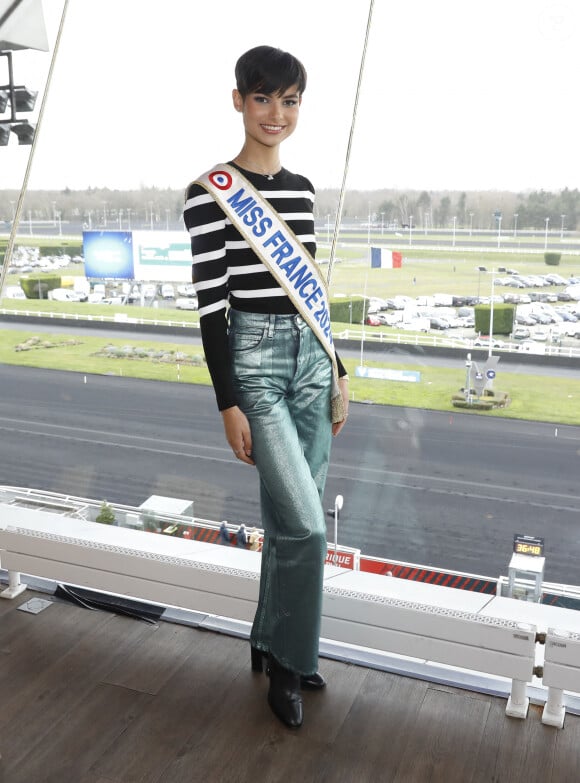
[547, 310]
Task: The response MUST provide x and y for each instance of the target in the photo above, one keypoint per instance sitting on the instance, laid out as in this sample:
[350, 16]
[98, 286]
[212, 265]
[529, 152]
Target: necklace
[255, 169]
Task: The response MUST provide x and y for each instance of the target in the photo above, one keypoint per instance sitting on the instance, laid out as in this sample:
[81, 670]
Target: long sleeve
[206, 224]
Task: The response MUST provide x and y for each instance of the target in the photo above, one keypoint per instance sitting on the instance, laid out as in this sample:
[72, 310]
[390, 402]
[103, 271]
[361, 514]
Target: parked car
[372, 320]
[525, 320]
[567, 315]
[521, 333]
[188, 289]
[185, 303]
[483, 342]
[134, 294]
[14, 292]
[64, 295]
[167, 291]
[439, 323]
[555, 279]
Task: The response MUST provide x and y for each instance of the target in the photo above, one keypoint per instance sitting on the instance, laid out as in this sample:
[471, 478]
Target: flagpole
[348, 150]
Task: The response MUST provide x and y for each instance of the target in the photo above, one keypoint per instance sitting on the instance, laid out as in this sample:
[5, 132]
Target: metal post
[518, 702]
[15, 587]
[491, 315]
[338, 503]
[468, 365]
[554, 711]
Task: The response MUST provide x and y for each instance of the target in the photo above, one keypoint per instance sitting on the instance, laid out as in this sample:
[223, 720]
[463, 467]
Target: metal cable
[348, 149]
[22, 194]
[9, 11]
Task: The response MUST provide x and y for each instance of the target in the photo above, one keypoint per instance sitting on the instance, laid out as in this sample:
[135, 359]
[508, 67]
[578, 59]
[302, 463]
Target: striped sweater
[226, 271]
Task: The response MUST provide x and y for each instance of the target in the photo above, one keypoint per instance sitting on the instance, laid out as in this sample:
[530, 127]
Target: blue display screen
[108, 254]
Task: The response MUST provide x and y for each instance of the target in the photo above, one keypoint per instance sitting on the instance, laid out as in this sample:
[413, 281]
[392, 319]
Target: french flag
[385, 259]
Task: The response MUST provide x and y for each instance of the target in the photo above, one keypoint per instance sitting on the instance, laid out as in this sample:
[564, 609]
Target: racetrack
[432, 488]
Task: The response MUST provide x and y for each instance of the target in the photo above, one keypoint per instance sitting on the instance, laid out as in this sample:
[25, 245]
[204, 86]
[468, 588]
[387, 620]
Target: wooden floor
[92, 697]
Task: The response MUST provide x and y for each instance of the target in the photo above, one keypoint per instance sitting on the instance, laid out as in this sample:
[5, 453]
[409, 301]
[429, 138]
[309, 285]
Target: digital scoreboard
[528, 545]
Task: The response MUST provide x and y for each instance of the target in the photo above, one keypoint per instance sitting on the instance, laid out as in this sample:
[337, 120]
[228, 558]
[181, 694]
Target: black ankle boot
[257, 658]
[308, 682]
[312, 682]
[284, 694]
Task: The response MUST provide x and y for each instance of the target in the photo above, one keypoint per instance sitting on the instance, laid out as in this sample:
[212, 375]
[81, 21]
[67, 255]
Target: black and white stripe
[226, 270]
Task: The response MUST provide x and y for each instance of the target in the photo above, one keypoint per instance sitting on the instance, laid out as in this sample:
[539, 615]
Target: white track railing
[434, 624]
[373, 334]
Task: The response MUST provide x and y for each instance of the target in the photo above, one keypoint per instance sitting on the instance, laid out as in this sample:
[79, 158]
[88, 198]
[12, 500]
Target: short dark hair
[269, 70]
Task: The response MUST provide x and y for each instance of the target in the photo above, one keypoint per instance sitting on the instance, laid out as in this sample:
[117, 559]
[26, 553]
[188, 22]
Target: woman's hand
[238, 434]
[343, 386]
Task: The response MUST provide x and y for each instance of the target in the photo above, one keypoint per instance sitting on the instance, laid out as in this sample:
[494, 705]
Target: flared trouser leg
[283, 379]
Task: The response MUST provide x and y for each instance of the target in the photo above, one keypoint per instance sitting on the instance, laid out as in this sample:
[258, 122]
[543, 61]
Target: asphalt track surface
[432, 488]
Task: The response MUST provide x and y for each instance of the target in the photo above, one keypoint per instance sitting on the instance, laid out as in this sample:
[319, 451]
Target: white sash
[274, 242]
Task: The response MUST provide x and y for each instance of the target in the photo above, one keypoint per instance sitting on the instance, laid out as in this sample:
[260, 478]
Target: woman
[271, 375]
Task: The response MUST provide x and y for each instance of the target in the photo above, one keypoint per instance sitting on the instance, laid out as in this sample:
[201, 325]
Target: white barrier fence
[417, 626]
[373, 334]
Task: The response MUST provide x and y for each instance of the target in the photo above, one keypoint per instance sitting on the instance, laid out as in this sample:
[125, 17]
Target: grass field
[429, 272]
[538, 398]
[85, 309]
[424, 272]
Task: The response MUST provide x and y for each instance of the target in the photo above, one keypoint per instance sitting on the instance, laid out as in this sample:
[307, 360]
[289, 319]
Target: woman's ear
[238, 100]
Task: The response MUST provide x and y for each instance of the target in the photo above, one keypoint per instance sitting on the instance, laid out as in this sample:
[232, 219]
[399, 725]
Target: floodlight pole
[338, 503]
[490, 348]
[20, 203]
[11, 89]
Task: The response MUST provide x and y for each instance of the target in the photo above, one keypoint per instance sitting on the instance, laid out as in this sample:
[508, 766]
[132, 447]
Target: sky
[455, 95]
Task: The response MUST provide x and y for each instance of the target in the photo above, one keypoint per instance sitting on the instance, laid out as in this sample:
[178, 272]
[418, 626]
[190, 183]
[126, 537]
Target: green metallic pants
[282, 377]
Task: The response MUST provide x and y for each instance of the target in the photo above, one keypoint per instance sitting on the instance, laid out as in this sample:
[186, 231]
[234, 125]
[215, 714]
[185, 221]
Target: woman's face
[269, 119]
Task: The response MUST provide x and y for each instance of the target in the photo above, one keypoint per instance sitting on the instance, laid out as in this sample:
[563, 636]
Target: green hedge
[503, 318]
[552, 259]
[340, 310]
[38, 285]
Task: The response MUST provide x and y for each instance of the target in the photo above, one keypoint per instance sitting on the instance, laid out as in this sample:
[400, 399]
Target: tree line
[464, 210]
